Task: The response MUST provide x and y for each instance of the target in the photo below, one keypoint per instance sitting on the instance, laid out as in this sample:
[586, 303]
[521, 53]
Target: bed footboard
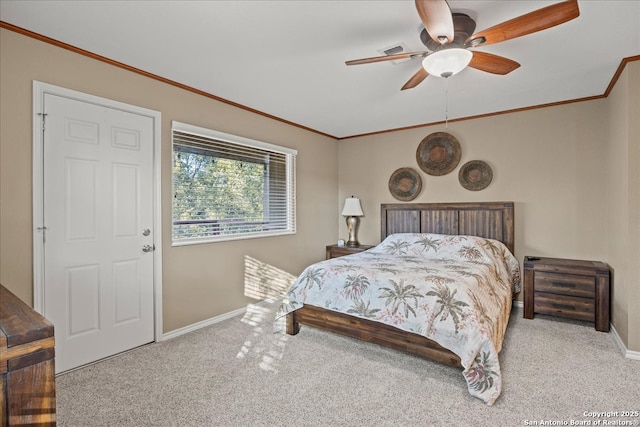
[370, 331]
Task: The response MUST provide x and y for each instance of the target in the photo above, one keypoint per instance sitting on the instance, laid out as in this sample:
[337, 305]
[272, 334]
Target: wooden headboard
[493, 220]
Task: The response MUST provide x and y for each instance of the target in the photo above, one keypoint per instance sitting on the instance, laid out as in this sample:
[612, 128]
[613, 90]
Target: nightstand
[569, 288]
[335, 251]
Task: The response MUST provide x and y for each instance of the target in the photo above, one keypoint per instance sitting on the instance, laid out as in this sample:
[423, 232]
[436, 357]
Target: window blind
[227, 187]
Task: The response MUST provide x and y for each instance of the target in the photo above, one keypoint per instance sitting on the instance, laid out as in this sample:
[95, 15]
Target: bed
[439, 285]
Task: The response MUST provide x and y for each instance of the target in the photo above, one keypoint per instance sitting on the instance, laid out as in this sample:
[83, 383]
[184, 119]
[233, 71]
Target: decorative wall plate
[405, 184]
[475, 175]
[438, 154]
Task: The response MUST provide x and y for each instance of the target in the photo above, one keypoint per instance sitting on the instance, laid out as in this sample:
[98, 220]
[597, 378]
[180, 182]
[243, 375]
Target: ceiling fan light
[447, 62]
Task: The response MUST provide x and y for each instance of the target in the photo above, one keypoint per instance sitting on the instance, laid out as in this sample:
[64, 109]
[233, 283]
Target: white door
[98, 219]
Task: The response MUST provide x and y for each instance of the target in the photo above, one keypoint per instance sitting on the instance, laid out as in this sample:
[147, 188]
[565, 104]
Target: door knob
[148, 248]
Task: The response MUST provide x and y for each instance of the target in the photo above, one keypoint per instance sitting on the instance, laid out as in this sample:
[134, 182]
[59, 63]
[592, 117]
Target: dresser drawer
[338, 252]
[565, 306]
[335, 251]
[565, 284]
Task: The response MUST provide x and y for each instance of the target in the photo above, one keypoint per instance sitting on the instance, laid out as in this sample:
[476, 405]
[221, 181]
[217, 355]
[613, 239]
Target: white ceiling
[286, 58]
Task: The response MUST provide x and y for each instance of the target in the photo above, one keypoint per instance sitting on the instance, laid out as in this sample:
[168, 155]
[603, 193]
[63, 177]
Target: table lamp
[352, 210]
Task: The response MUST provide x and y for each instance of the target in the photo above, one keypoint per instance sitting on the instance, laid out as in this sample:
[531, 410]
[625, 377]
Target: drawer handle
[564, 284]
[565, 306]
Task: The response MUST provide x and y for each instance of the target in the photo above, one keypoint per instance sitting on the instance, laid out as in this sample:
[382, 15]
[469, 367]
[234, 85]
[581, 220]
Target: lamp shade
[447, 62]
[352, 207]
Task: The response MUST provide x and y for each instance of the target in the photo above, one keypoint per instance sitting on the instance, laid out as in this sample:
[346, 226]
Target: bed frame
[492, 220]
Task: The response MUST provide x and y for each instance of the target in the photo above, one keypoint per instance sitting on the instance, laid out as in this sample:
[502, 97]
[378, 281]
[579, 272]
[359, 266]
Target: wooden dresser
[27, 384]
[569, 288]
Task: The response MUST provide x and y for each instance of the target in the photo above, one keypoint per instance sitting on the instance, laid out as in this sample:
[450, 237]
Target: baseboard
[208, 322]
[202, 324]
[629, 354]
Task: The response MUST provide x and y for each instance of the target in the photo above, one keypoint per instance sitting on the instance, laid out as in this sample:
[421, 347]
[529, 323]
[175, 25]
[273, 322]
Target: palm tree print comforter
[455, 290]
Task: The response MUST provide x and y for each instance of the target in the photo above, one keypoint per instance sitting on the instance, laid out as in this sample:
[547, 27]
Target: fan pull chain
[446, 103]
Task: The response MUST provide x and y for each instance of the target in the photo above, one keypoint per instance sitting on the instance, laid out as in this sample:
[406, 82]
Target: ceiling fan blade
[437, 19]
[529, 23]
[416, 79]
[406, 55]
[491, 63]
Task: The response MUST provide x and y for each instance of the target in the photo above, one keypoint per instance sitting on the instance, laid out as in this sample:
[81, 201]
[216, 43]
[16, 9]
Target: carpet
[240, 373]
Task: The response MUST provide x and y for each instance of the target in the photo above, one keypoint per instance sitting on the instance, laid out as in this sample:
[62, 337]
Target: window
[227, 187]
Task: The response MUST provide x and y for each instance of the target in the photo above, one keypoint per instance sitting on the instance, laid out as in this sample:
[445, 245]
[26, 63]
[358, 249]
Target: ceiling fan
[448, 37]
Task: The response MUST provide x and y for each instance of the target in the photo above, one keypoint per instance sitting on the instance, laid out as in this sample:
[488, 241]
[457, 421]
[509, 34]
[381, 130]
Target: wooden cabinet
[569, 288]
[335, 251]
[27, 371]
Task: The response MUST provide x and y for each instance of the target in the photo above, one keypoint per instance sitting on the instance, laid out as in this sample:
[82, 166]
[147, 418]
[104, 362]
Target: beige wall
[199, 282]
[623, 202]
[547, 161]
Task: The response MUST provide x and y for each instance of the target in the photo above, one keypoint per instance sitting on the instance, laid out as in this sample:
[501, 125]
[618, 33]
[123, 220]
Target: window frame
[236, 140]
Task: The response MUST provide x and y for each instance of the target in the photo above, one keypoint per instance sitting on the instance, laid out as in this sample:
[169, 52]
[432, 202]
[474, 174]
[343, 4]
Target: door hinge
[44, 117]
[44, 233]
